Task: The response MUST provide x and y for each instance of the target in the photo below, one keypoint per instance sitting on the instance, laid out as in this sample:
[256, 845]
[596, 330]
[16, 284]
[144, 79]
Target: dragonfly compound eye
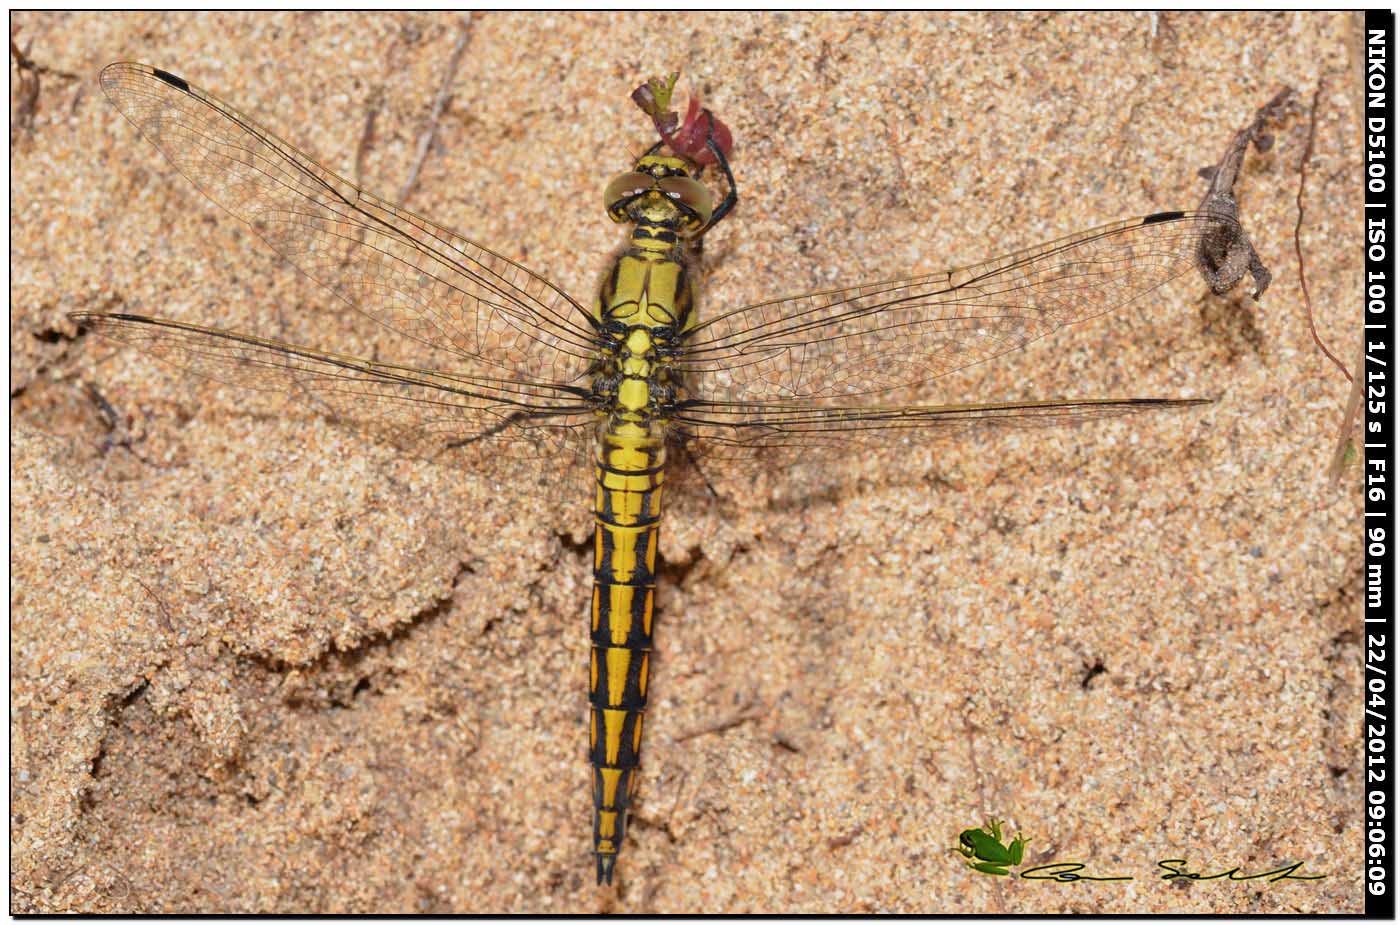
[693, 195]
[622, 190]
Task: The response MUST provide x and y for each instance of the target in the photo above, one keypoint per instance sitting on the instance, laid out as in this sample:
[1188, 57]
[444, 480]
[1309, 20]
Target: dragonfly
[499, 370]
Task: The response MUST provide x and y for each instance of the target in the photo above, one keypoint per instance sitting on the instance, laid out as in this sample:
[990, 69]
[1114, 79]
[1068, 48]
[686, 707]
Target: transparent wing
[468, 308]
[547, 428]
[752, 365]
[806, 426]
[796, 381]
[728, 447]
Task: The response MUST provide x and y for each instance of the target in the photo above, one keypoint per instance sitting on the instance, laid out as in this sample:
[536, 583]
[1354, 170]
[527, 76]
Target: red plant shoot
[686, 138]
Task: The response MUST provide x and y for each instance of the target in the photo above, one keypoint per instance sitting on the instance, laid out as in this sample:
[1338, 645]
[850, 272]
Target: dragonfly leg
[695, 464]
[730, 198]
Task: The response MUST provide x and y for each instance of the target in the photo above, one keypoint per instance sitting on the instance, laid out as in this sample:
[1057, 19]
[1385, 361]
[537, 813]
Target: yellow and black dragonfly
[486, 364]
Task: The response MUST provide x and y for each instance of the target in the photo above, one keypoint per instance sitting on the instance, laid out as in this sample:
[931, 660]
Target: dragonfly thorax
[644, 307]
[633, 377]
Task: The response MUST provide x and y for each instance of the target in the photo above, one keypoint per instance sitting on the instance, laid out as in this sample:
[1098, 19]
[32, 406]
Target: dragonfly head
[660, 189]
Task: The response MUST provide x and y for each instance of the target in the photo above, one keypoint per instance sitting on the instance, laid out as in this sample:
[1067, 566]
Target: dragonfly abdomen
[627, 520]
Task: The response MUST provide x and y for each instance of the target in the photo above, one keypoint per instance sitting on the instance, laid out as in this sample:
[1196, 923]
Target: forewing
[469, 308]
[873, 338]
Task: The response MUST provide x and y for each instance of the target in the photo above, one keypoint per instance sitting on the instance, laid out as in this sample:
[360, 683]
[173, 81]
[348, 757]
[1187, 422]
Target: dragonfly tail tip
[606, 865]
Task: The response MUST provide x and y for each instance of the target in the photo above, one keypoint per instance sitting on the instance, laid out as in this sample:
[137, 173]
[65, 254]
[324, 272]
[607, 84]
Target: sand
[260, 663]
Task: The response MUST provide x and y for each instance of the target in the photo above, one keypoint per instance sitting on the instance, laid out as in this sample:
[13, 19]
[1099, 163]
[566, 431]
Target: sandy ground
[262, 664]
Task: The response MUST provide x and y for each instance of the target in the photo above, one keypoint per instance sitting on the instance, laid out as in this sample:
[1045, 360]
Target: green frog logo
[984, 850]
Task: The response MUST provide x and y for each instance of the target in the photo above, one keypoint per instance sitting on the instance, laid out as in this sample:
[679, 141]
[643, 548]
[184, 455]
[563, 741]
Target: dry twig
[1226, 254]
[1341, 455]
[750, 711]
[444, 96]
[1298, 230]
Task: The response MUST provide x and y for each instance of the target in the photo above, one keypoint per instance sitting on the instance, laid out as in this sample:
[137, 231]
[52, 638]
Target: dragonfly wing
[447, 417]
[810, 425]
[724, 442]
[883, 336]
[466, 306]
